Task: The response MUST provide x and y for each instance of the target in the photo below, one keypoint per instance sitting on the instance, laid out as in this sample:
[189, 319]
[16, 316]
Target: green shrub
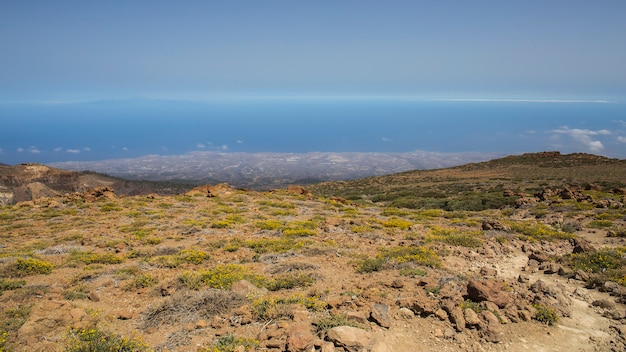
[323, 325]
[79, 292]
[289, 281]
[601, 223]
[299, 232]
[109, 207]
[220, 277]
[94, 258]
[230, 343]
[538, 231]
[397, 223]
[142, 281]
[7, 284]
[545, 314]
[415, 254]
[31, 266]
[470, 239]
[272, 307]
[269, 224]
[93, 340]
[368, 265]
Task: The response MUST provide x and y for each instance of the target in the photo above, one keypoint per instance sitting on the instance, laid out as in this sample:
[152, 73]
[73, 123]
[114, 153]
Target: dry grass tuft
[191, 306]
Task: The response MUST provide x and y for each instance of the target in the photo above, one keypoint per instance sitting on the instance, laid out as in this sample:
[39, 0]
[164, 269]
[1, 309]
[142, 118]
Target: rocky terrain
[512, 262]
[25, 182]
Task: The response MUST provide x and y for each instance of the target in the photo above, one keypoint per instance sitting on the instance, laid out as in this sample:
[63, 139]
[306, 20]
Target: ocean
[52, 132]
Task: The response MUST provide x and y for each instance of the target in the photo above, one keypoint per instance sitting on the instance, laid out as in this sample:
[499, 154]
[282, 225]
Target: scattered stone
[615, 314]
[487, 291]
[485, 271]
[603, 303]
[580, 275]
[357, 317]
[582, 246]
[420, 305]
[397, 283]
[93, 296]
[350, 338]
[300, 338]
[551, 268]
[380, 315]
[539, 257]
[457, 318]
[202, 324]
[495, 225]
[299, 190]
[125, 314]
[471, 318]
[449, 333]
[610, 286]
[539, 287]
[564, 271]
[328, 347]
[441, 314]
[406, 313]
[490, 327]
[522, 278]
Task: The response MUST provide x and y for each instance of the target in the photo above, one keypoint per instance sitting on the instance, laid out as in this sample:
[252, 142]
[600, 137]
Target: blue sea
[51, 132]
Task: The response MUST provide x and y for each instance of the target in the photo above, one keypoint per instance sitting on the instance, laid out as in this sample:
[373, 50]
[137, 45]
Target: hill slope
[480, 186]
[31, 181]
[286, 271]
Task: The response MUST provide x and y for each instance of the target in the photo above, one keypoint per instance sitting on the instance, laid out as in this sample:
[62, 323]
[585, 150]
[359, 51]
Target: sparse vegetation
[545, 314]
[94, 340]
[169, 262]
[229, 343]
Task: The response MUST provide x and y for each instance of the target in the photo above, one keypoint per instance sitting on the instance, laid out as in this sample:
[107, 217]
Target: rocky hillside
[32, 181]
[220, 269]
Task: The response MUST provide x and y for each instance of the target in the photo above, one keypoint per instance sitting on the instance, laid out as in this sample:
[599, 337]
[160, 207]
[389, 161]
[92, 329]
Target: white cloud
[33, 150]
[239, 141]
[125, 149]
[584, 137]
[58, 149]
[621, 139]
[1, 150]
[621, 122]
[224, 147]
[86, 149]
[20, 150]
[73, 151]
[385, 139]
[201, 145]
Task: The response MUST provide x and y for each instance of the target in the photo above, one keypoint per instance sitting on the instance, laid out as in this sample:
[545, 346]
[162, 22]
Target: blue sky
[90, 50]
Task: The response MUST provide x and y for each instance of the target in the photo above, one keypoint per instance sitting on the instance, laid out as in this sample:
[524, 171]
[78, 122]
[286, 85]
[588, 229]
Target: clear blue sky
[83, 50]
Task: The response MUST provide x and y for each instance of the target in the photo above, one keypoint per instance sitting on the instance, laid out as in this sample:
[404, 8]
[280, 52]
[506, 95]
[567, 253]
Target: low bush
[190, 306]
[7, 284]
[323, 325]
[289, 281]
[230, 343]
[545, 314]
[94, 258]
[272, 307]
[32, 266]
[94, 340]
[220, 277]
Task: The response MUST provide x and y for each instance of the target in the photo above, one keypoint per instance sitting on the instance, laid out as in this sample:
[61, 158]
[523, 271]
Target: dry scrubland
[532, 266]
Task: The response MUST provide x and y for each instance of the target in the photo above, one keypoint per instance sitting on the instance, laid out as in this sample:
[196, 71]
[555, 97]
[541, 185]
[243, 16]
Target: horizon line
[225, 98]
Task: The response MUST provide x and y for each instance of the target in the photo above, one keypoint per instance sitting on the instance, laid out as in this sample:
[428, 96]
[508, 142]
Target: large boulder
[350, 338]
[491, 291]
[300, 338]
